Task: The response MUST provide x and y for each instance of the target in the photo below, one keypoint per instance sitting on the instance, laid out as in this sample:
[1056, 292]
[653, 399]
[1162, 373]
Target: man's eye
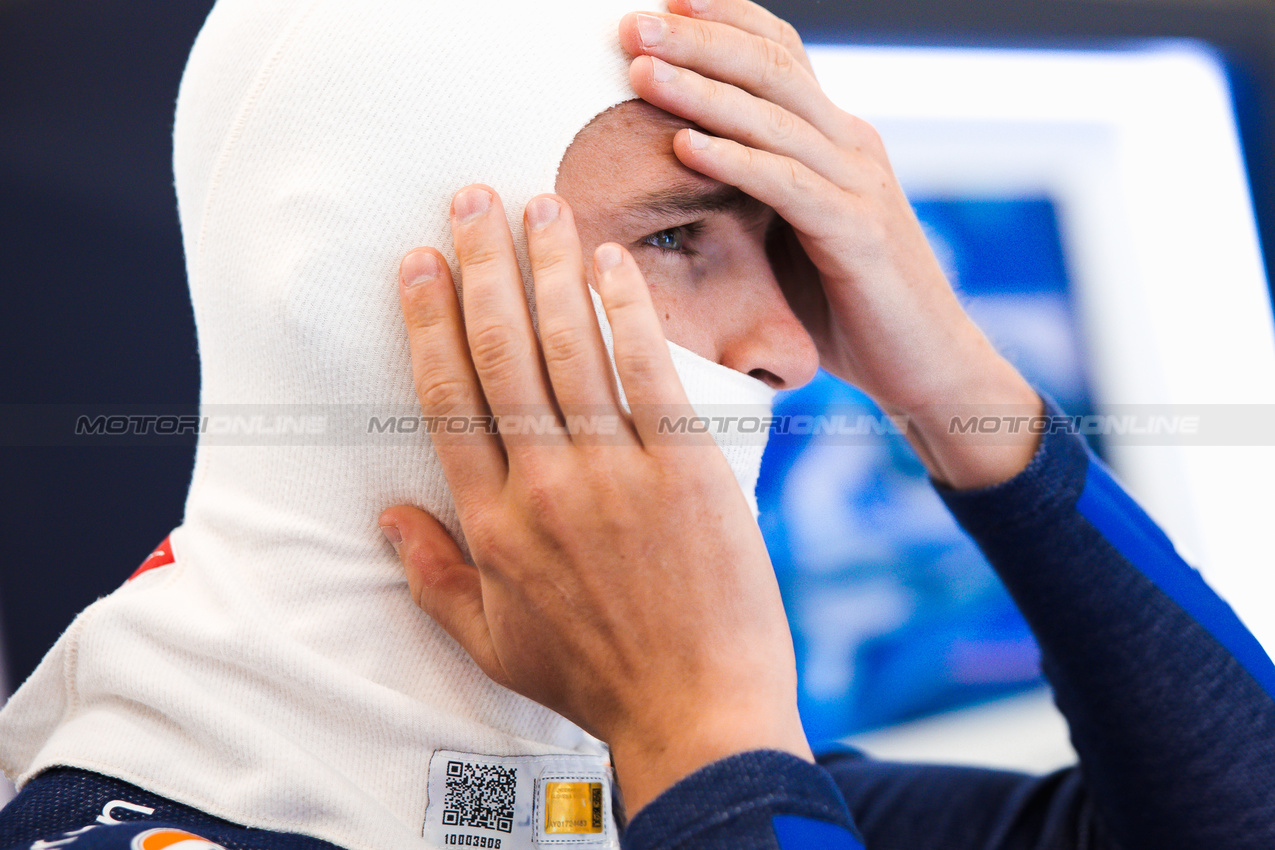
[677, 240]
[667, 240]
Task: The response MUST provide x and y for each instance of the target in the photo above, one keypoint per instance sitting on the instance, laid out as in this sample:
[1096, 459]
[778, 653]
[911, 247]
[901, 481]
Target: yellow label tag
[573, 807]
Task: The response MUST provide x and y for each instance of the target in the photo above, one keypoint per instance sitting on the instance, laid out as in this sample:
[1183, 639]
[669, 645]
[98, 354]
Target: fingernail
[699, 7]
[471, 203]
[662, 70]
[541, 212]
[651, 30]
[393, 535]
[419, 267]
[698, 140]
[608, 257]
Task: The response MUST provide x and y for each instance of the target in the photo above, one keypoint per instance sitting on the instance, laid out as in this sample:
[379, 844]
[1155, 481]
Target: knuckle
[788, 36]
[704, 38]
[540, 497]
[546, 497]
[782, 59]
[442, 394]
[782, 126]
[494, 349]
[714, 93]
[479, 253]
[624, 300]
[865, 136]
[561, 342]
[796, 176]
[554, 261]
[482, 529]
[848, 124]
[636, 366]
[777, 63]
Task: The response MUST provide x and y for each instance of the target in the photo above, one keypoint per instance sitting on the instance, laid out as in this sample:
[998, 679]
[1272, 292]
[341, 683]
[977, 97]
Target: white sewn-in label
[519, 802]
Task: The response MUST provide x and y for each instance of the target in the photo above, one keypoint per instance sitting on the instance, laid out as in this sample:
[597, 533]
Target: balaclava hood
[277, 673]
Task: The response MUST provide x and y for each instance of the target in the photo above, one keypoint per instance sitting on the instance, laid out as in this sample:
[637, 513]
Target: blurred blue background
[895, 613]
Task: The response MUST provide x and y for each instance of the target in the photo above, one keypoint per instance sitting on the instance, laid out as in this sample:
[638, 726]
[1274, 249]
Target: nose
[759, 333]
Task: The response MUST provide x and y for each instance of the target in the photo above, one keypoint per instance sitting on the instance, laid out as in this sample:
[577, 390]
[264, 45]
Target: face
[702, 245]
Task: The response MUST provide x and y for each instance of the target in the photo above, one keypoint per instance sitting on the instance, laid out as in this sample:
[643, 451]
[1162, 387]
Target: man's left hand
[873, 295]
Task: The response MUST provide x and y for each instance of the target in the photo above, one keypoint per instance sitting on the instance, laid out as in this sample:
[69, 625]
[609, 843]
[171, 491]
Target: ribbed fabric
[277, 675]
[729, 804]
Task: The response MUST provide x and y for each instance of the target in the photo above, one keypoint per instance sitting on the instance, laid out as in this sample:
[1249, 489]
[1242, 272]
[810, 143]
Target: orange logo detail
[166, 838]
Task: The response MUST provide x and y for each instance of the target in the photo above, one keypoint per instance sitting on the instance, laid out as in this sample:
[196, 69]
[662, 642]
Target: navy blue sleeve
[1169, 699]
[753, 801]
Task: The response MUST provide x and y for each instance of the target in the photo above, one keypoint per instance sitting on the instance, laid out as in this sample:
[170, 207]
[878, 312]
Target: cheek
[685, 313]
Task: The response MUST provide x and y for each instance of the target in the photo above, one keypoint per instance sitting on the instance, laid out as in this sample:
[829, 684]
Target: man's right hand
[619, 580]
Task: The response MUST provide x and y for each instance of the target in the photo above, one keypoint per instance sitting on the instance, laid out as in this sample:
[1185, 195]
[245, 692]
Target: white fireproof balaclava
[277, 674]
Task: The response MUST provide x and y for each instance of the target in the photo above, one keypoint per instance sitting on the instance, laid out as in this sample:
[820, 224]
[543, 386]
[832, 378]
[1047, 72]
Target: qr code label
[489, 802]
[480, 796]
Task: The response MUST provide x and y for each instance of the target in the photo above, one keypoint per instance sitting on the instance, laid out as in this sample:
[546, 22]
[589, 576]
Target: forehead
[633, 119]
[626, 150]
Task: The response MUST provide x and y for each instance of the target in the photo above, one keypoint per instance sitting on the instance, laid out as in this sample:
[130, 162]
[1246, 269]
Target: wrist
[649, 763]
[982, 435]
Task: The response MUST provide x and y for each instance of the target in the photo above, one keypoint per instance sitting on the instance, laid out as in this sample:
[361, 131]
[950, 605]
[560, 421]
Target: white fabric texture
[278, 674]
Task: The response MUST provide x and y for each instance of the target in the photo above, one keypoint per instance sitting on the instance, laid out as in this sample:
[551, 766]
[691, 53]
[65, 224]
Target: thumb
[443, 585]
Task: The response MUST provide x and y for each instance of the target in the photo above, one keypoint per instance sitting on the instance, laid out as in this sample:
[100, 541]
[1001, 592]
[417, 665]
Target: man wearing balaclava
[270, 669]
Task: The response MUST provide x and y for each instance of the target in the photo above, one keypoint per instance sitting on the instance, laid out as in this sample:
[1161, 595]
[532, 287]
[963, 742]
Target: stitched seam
[228, 147]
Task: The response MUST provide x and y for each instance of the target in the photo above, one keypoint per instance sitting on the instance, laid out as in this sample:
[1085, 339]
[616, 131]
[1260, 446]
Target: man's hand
[619, 580]
[859, 271]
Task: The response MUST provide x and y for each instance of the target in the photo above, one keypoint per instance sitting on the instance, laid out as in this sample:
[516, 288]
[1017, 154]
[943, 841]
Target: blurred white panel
[1024, 733]
[1140, 153]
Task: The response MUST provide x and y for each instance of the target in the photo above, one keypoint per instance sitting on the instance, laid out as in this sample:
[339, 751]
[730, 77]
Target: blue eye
[667, 240]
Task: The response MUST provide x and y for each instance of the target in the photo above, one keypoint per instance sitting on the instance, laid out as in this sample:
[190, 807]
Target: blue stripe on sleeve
[797, 833]
[1118, 518]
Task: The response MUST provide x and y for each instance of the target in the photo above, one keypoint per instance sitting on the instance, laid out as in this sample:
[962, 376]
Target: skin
[716, 288]
[661, 630]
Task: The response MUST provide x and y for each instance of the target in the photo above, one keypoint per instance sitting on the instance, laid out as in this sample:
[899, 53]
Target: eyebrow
[692, 200]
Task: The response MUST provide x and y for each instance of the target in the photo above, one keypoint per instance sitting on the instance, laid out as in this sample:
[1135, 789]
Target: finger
[642, 358]
[729, 111]
[502, 343]
[443, 585]
[746, 16]
[446, 384]
[757, 65]
[574, 353]
[805, 199]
